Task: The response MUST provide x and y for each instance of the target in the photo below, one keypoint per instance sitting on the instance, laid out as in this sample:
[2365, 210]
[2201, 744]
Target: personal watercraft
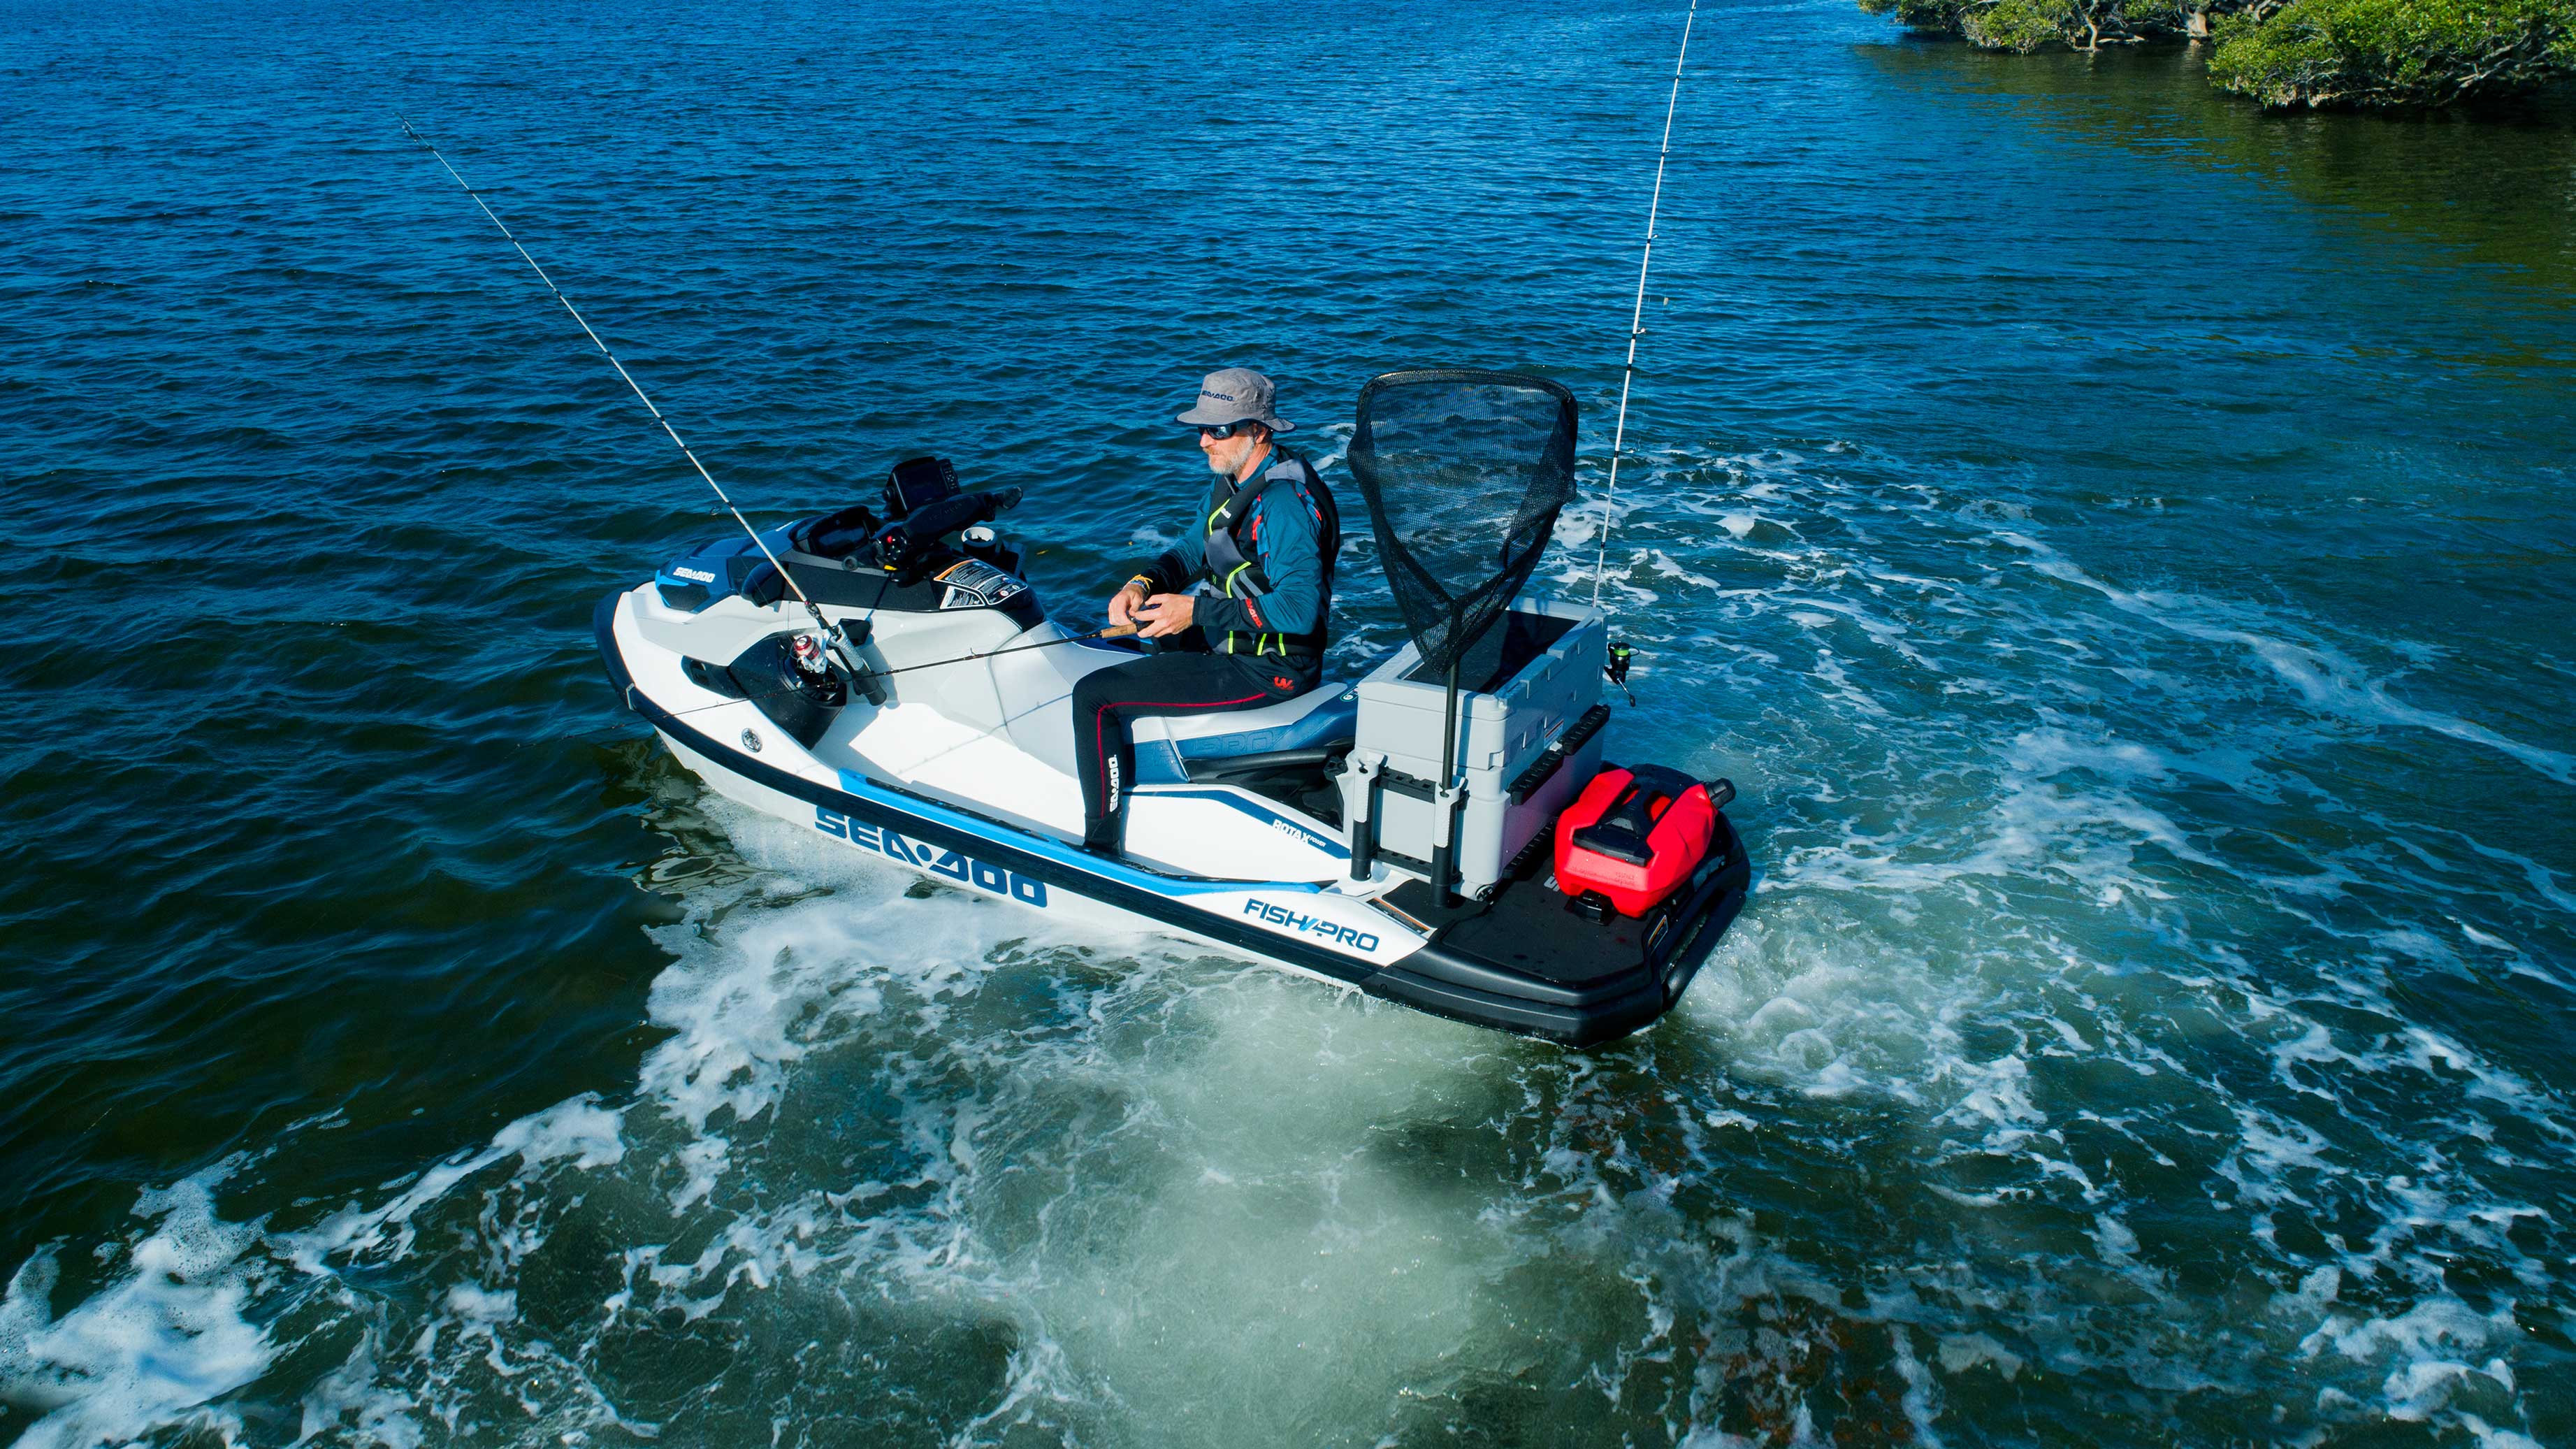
[1397, 832]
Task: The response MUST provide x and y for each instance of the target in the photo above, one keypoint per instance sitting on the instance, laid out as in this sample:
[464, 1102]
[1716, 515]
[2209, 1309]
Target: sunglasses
[1222, 431]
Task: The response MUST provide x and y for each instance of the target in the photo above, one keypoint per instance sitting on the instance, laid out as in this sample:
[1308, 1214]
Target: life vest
[1233, 572]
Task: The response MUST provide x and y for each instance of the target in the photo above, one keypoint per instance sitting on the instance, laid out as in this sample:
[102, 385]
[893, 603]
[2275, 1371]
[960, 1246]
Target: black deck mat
[1528, 929]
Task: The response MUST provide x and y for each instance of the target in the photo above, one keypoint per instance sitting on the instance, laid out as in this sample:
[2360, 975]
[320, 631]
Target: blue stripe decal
[1057, 851]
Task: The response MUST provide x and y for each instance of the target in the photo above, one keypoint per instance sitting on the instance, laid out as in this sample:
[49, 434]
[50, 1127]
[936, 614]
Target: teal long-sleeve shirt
[1284, 536]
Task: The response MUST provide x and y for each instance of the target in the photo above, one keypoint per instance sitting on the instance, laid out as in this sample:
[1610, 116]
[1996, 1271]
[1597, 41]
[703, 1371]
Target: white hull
[889, 847]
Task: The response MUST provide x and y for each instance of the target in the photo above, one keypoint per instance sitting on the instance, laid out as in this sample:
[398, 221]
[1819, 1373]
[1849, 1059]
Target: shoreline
[2479, 56]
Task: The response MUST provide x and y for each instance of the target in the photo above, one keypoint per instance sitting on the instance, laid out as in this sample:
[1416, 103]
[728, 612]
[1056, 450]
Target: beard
[1218, 466]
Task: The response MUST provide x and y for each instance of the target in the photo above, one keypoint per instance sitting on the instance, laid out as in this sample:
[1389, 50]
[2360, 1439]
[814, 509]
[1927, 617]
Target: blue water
[2118, 541]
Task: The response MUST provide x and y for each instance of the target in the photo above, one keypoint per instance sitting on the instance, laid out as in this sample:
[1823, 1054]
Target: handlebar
[898, 543]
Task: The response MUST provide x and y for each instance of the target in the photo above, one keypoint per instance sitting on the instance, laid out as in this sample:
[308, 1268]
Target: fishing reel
[824, 665]
[1621, 655]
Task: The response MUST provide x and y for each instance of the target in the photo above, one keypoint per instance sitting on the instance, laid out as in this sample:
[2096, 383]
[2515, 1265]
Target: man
[1253, 630]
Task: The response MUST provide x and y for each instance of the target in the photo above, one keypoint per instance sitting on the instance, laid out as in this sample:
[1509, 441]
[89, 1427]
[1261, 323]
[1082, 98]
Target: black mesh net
[1464, 472]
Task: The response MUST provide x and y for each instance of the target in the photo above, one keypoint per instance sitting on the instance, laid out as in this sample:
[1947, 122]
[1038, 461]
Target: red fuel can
[1633, 836]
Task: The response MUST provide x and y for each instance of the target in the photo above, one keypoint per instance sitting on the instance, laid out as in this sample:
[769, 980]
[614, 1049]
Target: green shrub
[1934, 15]
[2021, 25]
[2395, 52]
[2026, 25]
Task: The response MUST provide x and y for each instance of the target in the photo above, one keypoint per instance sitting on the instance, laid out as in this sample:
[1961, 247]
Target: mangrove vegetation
[2299, 53]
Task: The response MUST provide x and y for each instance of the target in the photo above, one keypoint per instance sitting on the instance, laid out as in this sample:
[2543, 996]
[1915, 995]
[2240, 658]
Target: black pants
[1168, 683]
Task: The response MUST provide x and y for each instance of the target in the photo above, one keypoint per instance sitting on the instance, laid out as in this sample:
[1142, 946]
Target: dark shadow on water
[2498, 186]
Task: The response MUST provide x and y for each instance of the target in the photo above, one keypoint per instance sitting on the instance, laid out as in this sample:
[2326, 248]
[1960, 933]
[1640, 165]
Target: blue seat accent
[1316, 720]
[1158, 762]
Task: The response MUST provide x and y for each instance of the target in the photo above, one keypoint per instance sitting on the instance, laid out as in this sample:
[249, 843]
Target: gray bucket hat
[1235, 395]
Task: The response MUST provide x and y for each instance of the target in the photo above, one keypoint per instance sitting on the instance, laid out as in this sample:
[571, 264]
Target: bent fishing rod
[843, 650]
[1637, 316]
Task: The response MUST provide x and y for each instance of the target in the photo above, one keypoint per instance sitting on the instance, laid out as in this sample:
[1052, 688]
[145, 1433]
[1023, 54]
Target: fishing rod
[1637, 318]
[843, 649]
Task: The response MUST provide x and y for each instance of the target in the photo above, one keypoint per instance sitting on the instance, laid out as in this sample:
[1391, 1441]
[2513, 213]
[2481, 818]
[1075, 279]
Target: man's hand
[1123, 605]
[1166, 614]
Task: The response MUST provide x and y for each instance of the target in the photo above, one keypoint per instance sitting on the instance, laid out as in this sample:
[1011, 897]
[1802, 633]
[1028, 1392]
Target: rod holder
[1359, 782]
[1444, 845]
[1445, 828]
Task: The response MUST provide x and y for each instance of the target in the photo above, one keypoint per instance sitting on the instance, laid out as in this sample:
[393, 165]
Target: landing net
[1463, 471]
